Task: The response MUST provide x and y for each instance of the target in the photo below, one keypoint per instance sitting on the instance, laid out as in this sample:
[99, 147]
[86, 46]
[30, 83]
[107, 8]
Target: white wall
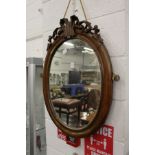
[112, 18]
[34, 32]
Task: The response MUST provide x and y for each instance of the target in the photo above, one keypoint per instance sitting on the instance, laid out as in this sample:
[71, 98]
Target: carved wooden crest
[69, 29]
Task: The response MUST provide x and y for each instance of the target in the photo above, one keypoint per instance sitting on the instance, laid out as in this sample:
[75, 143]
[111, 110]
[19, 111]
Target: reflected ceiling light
[88, 52]
[84, 51]
[69, 44]
[89, 49]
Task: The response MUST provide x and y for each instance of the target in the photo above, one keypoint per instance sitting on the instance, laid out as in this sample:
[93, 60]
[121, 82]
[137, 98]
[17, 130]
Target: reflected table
[67, 106]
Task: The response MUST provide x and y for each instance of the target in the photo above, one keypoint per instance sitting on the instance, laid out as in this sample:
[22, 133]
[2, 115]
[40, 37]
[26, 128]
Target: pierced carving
[69, 29]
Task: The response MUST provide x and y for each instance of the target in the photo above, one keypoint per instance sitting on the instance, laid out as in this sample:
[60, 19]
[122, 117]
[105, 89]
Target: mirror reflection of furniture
[87, 103]
[67, 106]
[92, 100]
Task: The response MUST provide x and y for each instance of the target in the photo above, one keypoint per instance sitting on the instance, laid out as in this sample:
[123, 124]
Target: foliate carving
[69, 29]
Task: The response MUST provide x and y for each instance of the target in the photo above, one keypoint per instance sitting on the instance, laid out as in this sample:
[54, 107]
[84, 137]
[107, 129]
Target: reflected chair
[91, 101]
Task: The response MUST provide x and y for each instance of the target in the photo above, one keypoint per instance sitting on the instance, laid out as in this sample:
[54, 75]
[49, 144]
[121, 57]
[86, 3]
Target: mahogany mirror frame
[75, 29]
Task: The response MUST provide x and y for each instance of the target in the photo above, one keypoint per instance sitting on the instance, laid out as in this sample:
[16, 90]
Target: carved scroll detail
[69, 29]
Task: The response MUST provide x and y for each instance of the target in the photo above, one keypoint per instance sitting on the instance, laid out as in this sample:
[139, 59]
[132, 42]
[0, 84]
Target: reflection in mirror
[75, 83]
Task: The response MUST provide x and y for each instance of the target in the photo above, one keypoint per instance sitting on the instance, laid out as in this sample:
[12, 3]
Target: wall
[112, 18]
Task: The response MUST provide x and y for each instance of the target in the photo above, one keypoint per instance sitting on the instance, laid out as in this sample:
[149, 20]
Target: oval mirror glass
[75, 83]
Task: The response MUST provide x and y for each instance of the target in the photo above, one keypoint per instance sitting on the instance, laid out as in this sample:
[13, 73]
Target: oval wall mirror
[77, 78]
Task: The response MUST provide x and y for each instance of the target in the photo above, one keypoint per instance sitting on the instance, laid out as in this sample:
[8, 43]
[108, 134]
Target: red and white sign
[100, 143]
[69, 139]
[61, 135]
